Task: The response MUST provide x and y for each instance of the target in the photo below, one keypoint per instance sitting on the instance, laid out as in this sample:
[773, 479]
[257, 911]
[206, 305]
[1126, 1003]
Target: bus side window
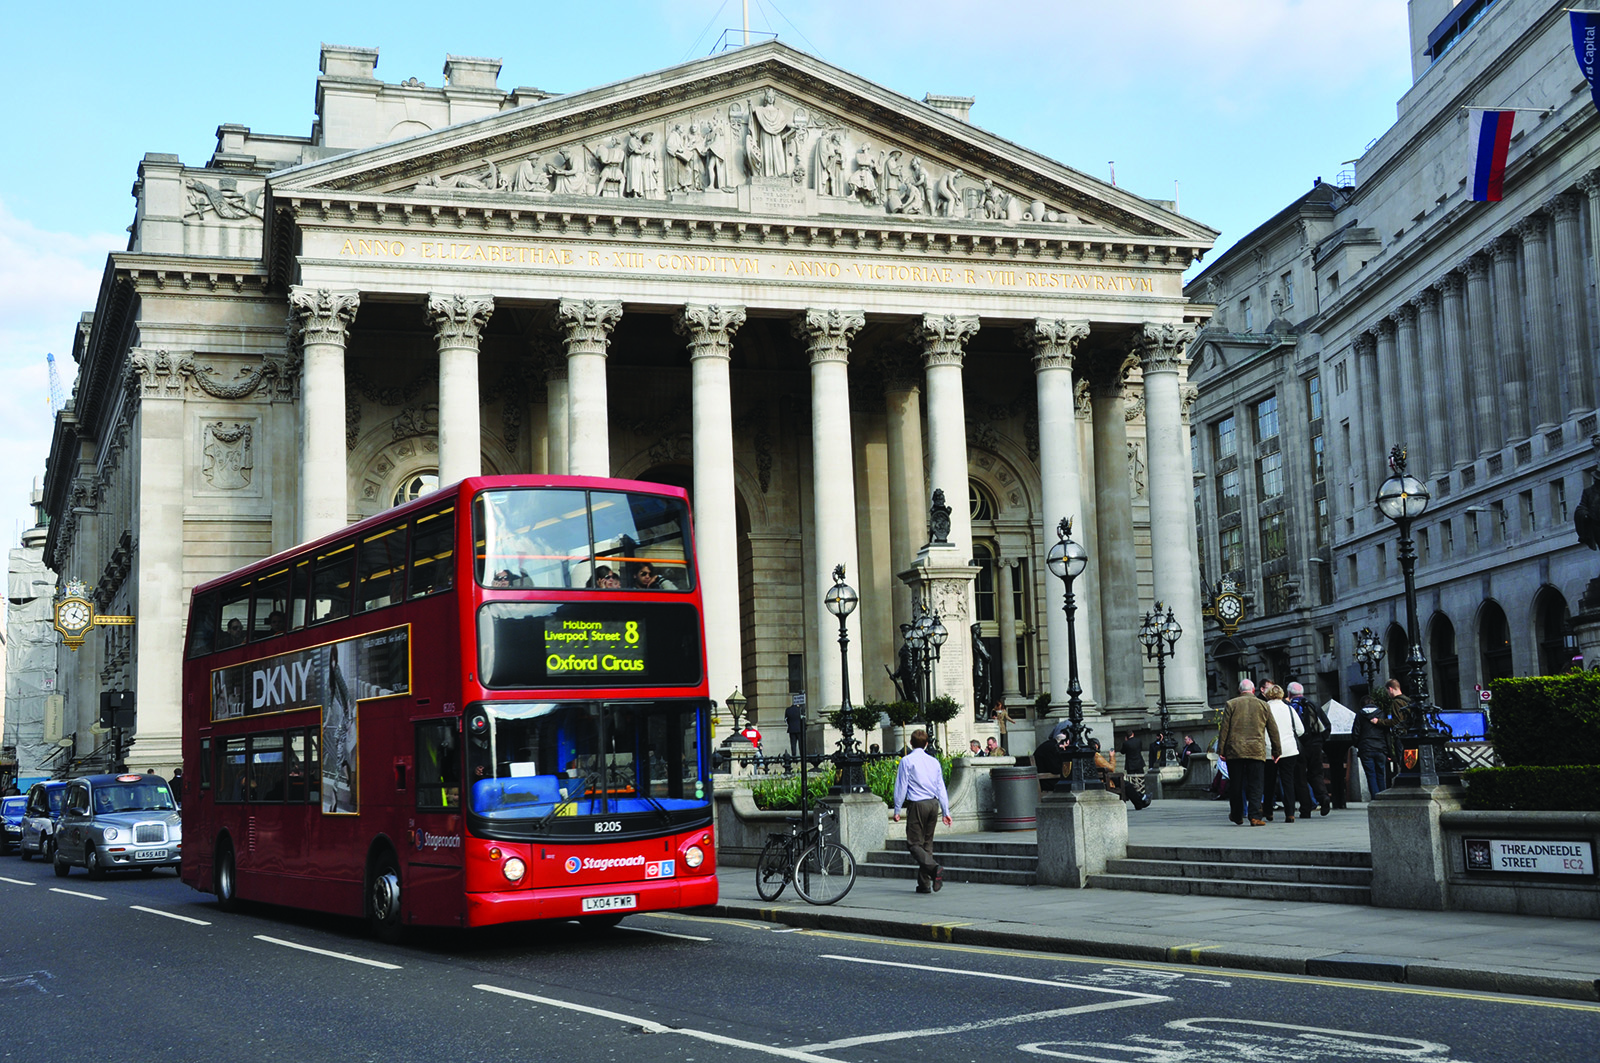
[233, 618]
[332, 583]
[438, 766]
[269, 606]
[231, 771]
[433, 549]
[301, 591]
[382, 569]
[203, 625]
[295, 763]
[313, 766]
[266, 768]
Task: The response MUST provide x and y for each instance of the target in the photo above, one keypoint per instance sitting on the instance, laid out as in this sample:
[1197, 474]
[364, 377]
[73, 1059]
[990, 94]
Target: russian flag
[1489, 168]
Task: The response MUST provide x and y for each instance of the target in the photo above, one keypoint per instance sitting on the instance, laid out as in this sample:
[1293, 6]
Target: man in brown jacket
[1247, 727]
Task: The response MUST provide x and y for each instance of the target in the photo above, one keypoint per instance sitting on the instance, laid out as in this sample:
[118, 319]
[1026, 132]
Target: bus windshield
[561, 538]
[540, 767]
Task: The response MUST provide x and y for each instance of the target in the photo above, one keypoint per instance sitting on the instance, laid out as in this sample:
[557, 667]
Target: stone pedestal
[1409, 866]
[942, 580]
[1078, 833]
[863, 822]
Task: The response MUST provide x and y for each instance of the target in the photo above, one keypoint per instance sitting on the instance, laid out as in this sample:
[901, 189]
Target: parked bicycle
[822, 871]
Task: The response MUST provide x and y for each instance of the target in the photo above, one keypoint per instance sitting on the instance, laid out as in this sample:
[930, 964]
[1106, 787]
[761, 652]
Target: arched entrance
[1396, 658]
[1446, 664]
[1494, 643]
[1552, 628]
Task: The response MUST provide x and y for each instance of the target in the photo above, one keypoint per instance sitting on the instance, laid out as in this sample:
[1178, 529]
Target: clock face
[1229, 608]
[73, 614]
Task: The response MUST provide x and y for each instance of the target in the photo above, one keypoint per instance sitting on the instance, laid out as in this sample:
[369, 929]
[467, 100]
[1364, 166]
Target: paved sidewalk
[1459, 950]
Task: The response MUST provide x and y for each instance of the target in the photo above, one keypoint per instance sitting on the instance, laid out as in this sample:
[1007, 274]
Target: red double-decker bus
[486, 705]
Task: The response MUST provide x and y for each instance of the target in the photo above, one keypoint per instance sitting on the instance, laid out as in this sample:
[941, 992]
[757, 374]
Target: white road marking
[1003, 977]
[75, 893]
[17, 881]
[662, 933]
[651, 1026]
[331, 955]
[788, 930]
[169, 915]
[1215, 1040]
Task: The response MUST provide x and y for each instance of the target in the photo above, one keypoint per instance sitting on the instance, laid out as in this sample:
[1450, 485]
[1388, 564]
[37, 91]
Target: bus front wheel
[226, 879]
[383, 899]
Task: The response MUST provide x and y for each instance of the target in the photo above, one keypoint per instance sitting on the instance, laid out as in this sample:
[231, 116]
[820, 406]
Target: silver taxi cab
[112, 822]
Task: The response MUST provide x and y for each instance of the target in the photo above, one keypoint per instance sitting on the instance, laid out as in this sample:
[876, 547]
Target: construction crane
[57, 402]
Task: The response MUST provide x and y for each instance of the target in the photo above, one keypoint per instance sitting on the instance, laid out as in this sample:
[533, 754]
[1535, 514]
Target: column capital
[458, 319]
[1427, 300]
[1164, 347]
[1589, 184]
[324, 315]
[1531, 228]
[1565, 205]
[943, 337]
[901, 371]
[587, 324]
[1477, 266]
[1365, 343]
[709, 329]
[1386, 329]
[1505, 248]
[1052, 341]
[1405, 315]
[827, 332]
[1451, 284]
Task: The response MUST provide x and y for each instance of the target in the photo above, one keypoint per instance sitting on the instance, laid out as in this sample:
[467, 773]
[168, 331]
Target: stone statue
[1586, 517]
[904, 676]
[982, 671]
[610, 157]
[947, 198]
[563, 176]
[938, 520]
[680, 168]
[716, 154]
[830, 165]
[652, 168]
[694, 144]
[766, 148]
[633, 173]
[865, 181]
[525, 178]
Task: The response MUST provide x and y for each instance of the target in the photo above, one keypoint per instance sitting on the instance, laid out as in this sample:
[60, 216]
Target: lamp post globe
[1067, 560]
[1159, 632]
[841, 600]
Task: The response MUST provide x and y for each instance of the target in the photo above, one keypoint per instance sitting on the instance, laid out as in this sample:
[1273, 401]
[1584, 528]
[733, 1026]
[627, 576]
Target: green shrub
[1547, 720]
[782, 793]
[902, 713]
[864, 718]
[943, 709]
[1566, 788]
[881, 775]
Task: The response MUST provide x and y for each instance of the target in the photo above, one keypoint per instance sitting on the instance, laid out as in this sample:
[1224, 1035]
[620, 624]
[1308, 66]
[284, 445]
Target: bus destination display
[594, 647]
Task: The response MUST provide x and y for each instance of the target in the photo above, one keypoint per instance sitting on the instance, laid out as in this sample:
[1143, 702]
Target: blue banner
[1586, 45]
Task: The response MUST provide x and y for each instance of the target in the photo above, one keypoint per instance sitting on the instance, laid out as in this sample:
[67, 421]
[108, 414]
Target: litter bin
[1016, 798]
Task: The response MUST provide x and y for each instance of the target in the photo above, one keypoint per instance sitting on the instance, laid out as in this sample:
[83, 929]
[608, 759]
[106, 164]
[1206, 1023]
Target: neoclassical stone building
[809, 300]
[1464, 331]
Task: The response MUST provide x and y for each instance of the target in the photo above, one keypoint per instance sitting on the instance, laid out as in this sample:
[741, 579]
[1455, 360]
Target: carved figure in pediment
[525, 178]
[715, 136]
[680, 161]
[866, 179]
[652, 168]
[633, 167]
[830, 164]
[766, 146]
[694, 146]
[947, 198]
[914, 188]
[563, 176]
[610, 159]
[226, 201]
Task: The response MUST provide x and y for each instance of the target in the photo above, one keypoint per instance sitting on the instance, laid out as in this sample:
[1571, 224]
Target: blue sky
[1242, 102]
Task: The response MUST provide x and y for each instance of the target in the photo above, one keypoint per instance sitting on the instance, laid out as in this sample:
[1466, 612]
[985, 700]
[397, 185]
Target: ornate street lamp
[1067, 560]
[1403, 498]
[736, 703]
[1369, 654]
[1160, 633]
[841, 600]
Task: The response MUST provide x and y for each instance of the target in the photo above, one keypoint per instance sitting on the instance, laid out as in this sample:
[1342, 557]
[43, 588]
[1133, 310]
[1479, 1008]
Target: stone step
[874, 869]
[958, 844]
[949, 858]
[1224, 855]
[1211, 887]
[1312, 874]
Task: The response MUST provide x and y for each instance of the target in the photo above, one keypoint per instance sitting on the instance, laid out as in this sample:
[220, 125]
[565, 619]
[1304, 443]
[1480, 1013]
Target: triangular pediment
[766, 131]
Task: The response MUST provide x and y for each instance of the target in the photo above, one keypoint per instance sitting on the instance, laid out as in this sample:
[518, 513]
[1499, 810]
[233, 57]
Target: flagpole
[1532, 110]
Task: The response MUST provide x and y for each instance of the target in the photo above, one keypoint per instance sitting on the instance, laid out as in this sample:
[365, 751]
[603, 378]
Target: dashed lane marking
[662, 933]
[75, 893]
[651, 1026]
[169, 915]
[990, 974]
[747, 924]
[17, 881]
[331, 955]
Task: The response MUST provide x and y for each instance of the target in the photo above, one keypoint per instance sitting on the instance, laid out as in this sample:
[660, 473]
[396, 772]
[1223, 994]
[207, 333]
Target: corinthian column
[1480, 337]
[1173, 566]
[827, 335]
[1052, 342]
[1372, 429]
[1508, 337]
[555, 386]
[458, 322]
[1567, 210]
[324, 319]
[908, 493]
[1116, 563]
[1453, 289]
[709, 330]
[587, 324]
[1543, 344]
[1431, 344]
[1405, 342]
[1390, 399]
[943, 339]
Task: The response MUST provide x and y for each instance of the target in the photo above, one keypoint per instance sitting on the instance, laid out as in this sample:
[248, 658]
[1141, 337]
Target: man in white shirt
[919, 787]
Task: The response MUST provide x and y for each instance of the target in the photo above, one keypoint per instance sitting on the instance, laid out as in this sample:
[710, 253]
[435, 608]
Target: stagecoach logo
[573, 864]
[421, 839]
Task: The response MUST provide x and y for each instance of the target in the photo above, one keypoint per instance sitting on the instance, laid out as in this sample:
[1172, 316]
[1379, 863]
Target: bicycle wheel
[772, 869]
[824, 873]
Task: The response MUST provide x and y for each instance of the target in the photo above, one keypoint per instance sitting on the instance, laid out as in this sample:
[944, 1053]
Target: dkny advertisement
[336, 677]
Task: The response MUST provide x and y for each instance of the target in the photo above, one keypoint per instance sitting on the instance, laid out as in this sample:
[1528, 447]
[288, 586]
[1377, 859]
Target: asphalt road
[144, 968]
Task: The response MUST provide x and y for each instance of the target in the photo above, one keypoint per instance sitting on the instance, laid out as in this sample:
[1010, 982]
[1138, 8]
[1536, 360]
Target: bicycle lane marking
[1130, 999]
[651, 1026]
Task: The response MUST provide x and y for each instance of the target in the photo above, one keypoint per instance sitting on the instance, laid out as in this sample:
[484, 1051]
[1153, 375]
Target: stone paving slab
[1472, 951]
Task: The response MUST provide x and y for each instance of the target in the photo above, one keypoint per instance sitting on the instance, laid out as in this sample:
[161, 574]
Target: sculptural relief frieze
[224, 199]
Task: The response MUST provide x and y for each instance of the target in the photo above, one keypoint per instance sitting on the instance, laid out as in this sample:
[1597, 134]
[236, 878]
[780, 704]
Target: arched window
[1557, 646]
[1494, 642]
[980, 502]
[1446, 665]
[1396, 655]
[415, 486]
[983, 587]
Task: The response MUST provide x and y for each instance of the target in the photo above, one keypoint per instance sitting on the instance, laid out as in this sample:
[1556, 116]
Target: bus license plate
[150, 854]
[611, 904]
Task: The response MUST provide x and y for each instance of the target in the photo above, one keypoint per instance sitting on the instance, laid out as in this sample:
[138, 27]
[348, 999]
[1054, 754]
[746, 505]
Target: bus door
[434, 881]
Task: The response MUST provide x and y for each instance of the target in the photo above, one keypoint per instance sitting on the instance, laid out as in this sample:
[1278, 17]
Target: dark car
[112, 822]
[11, 822]
[39, 819]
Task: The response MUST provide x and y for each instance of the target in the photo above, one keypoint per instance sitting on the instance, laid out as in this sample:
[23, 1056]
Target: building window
[1314, 396]
[414, 487]
[1269, 476]
[1228, 493]
[1322, 522]
[979, 502]
[1333, 284]
[1247, 314]
[1287, 281]
[1231, 544]
[1267, 419]
[1227, 439]
[1447, 539]
[1352, 572]
[1274, 540]
[1497, 510]
[1530, 520]
[1341, 378]
[1318, 461]
[1558, 500]
[1472, 532]
[1279, 599]
[1325, 586]
[983, 586]
[1422, 546]
[1383, 561]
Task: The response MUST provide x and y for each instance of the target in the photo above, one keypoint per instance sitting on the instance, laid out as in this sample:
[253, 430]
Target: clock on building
[1228, 605]
[75, 615]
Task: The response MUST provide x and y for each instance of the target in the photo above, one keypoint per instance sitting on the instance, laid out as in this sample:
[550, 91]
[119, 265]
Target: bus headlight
[109, 834]
[694, 856]
[513, 869]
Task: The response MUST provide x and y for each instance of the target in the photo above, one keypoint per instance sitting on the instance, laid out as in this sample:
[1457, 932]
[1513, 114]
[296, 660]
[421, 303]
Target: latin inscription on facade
[901, 270]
